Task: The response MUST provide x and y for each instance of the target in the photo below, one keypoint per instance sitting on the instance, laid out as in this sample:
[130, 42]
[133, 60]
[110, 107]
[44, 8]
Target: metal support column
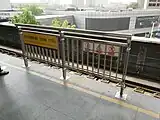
[23, 50]
[63, 55]
[125, 66]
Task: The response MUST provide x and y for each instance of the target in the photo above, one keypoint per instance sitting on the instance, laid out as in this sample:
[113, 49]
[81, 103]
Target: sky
[66, 1]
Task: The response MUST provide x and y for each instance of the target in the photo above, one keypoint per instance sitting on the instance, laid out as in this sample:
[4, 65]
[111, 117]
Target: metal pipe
[77, 54]
[98, 41]
[44, 33]
[50, 54]
[49, 28]
[47, 55]
[23, 50]
[72, 43]
[93, 58]
[63, 55]
[99, 55]
[118, 60]
[100, 36]
[125, 66]
[36, 52]
[43, 53]
[104, 68]
[87, 55]
[40, 54]
[110, 70]
[58, 52]
[82, 54]
[26, 51]
[29, 51]
[68, 51]
[54, 55]
[33, 51]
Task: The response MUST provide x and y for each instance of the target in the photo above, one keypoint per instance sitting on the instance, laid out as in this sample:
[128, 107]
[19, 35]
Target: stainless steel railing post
[62, 39]
[23, 50]
[125, 66]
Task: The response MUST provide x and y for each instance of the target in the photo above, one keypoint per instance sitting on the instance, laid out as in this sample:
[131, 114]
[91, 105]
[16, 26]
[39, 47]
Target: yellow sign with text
[41, 40]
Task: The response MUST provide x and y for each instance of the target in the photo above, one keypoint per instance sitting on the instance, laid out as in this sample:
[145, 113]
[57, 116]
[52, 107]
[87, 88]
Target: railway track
[138, 87]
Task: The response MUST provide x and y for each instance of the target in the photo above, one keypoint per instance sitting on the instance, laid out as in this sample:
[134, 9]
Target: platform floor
[29, 96]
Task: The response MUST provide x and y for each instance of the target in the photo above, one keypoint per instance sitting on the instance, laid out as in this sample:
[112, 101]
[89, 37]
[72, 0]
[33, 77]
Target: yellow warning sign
[41, 40]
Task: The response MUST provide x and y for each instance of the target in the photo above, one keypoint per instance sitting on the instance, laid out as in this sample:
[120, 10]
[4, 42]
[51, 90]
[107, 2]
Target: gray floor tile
[66, 100]
[12, 111]
[12, 79]
[142, 116]
[24, 109]
[28, 84]
[78, 105]
[144, 101]
[18, 114]
[49, 93]
[8, 97]
[110, 111]
[53, 115]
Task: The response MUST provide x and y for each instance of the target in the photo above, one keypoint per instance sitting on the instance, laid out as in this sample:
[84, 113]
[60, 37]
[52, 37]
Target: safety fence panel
[98, 54]
[42, 47]
[96, 58]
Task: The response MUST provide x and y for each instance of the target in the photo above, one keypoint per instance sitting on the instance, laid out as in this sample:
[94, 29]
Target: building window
[158, 0]
[152, 0]
[150, 4]
[158, 4]
[154, 4]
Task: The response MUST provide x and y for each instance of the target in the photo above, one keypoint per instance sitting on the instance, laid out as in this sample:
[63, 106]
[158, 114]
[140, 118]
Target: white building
[50, 2]
[5, 5]
[54, 2]
[78, 3]
[145, 4]
[90, 3]
[102, 3]
[115, 6]
[6, 10]
[135, 22]
[57, 2]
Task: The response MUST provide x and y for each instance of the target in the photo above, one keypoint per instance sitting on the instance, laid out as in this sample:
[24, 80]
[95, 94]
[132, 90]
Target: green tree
[26, 17]
[34, 9]
[133, 5]
[64, 24]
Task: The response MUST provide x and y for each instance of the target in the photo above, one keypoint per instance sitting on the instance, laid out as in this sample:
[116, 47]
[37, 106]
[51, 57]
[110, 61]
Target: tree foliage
[64, 24]
[133, 5]
[26, 17]
[34, 9]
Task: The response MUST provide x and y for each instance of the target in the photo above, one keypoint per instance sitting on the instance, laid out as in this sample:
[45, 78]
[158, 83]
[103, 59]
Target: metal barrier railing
[97, 54]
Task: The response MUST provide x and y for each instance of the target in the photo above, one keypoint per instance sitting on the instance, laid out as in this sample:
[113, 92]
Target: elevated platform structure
[38, 93]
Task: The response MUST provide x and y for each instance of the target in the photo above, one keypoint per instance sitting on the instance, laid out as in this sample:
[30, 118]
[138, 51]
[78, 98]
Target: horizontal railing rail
[77, 32]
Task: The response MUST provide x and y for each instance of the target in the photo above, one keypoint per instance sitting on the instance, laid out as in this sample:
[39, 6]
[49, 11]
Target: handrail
[77, 31]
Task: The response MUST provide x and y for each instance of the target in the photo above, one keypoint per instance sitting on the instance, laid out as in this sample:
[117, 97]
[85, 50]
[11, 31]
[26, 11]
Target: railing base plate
[124, 96]
[25, 66]
[67, 77]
